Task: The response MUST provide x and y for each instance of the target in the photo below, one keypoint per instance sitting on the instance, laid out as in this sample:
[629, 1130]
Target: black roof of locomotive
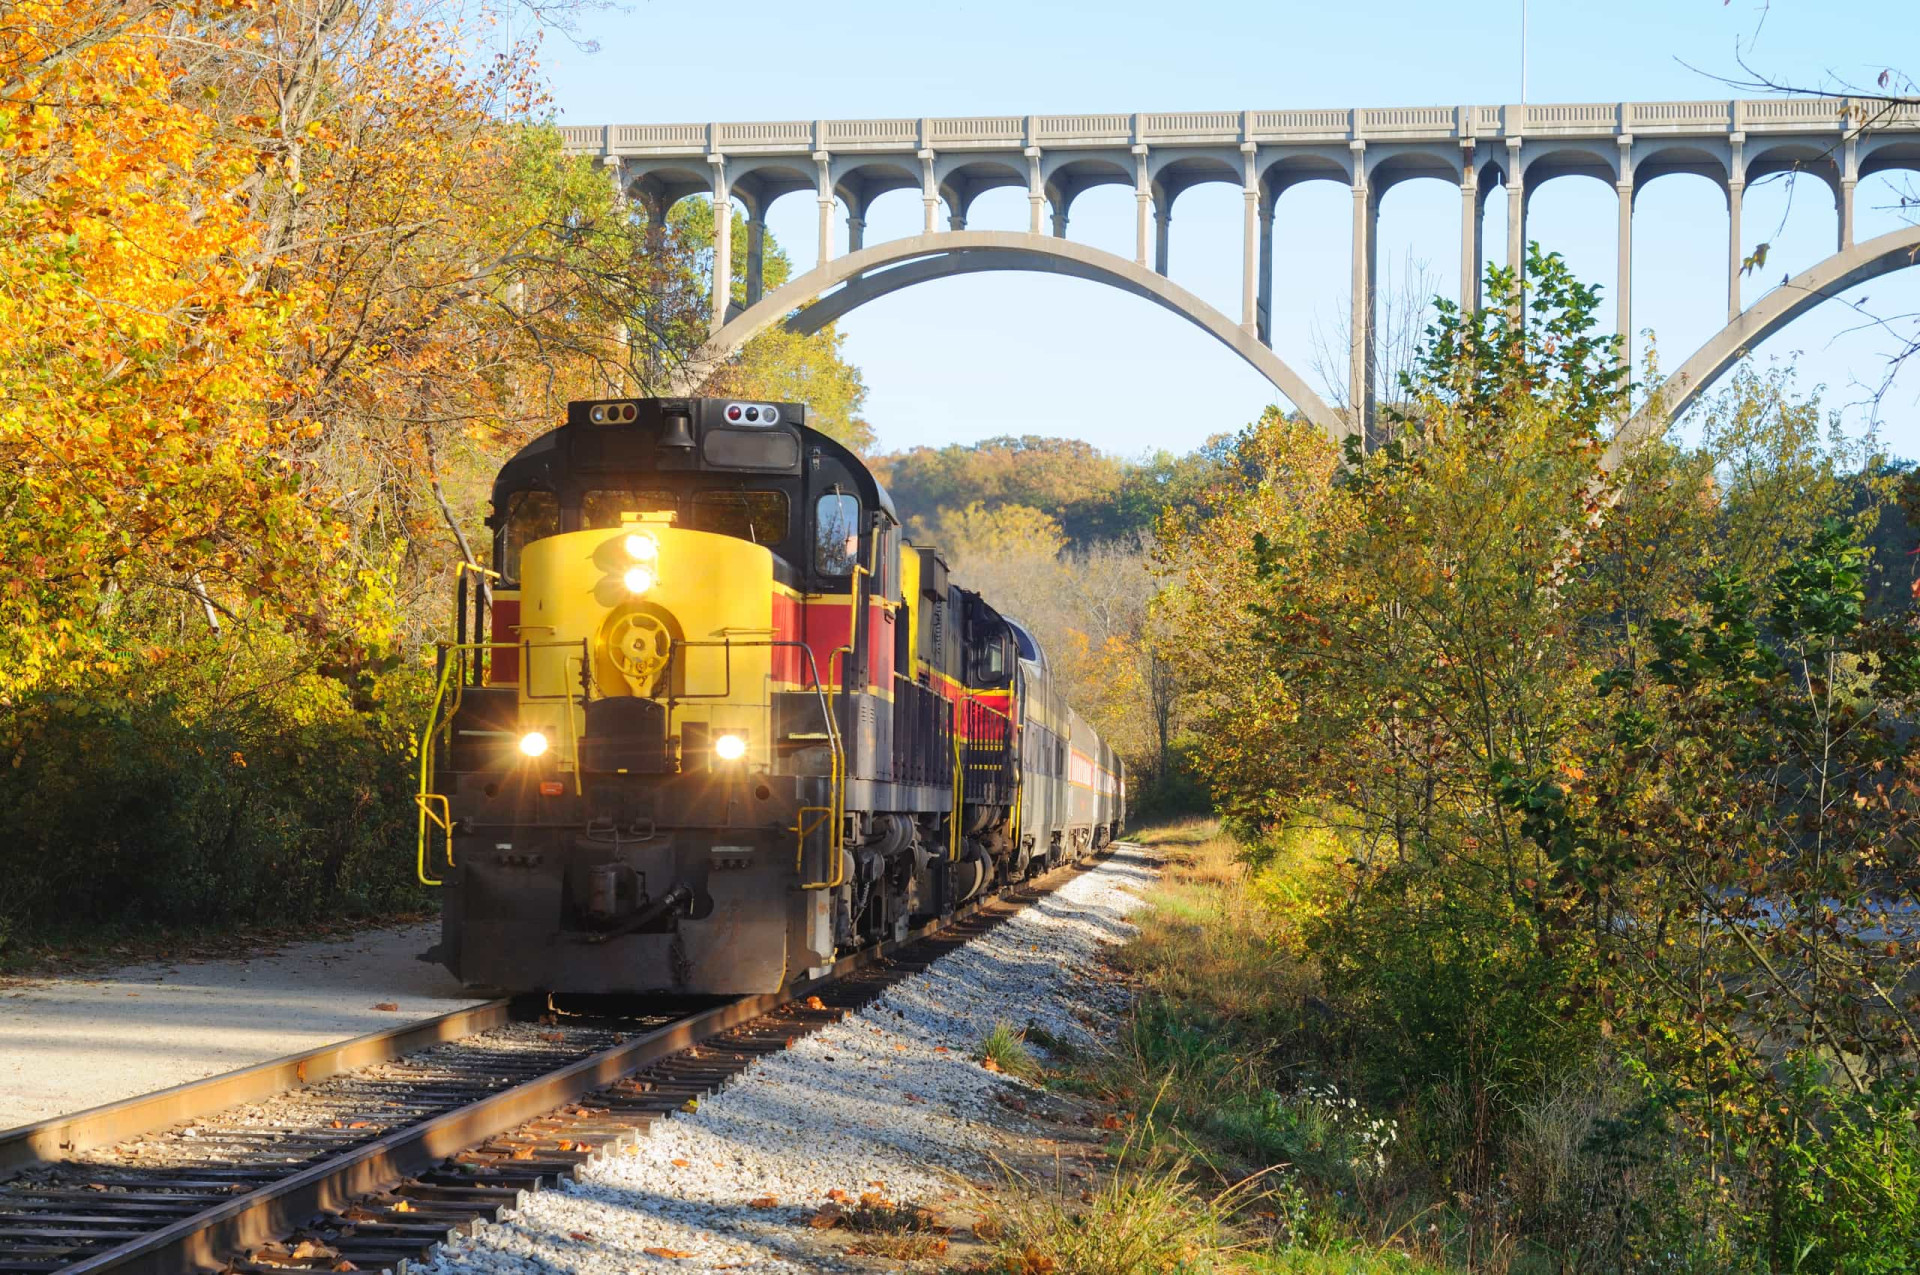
[581, 451]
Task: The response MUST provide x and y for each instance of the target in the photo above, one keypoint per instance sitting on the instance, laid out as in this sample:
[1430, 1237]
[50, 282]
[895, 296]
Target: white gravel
[889, 1096]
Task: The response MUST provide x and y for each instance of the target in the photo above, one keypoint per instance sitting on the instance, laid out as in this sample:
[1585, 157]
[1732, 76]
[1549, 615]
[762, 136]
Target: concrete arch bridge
[1516, 149]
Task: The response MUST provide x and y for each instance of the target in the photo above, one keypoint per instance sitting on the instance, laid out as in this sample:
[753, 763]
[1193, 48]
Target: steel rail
[208, 1239]
[61, 1137]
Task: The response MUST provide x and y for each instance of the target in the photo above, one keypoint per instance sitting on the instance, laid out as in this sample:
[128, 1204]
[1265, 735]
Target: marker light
[642, 547]
[533, 743]
[639, 579]
[730, 747]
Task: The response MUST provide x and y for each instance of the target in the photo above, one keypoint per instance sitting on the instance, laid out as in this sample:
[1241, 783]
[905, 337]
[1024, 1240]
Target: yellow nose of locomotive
[646, 610]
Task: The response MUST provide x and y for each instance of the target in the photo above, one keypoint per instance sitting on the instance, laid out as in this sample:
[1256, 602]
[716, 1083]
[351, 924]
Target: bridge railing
[1208, 128]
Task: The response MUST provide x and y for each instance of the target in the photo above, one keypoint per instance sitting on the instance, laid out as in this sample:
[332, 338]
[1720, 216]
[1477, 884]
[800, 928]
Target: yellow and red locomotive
[709, 720]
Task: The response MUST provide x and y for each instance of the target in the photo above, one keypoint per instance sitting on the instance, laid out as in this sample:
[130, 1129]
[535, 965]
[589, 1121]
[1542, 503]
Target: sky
[963, 359]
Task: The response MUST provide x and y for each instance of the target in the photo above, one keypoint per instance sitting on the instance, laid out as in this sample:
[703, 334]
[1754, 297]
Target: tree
[1643, 794]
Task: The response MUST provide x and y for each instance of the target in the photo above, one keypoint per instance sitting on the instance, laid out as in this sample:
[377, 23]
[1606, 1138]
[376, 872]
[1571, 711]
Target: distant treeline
[1093, 495]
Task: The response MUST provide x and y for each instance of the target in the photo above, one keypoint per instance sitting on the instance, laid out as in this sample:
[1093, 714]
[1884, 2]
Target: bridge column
[1849, 178]
[1470, 228]
[1250, 242]
[1623, 289]
[1036, 192]
[1516, 211]
[823, 191]
[616, 172]
[929, 196]
[722, 243]
[1736, 192]
[1060, 220]
[1163, 228]
[1142, 205]
[1265, 332]
[756, 249]
[1365, 257]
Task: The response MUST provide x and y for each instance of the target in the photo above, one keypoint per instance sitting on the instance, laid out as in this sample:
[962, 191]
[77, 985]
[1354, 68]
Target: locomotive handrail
[442, 819]
[482, 596]
[436, 722]
[959, 786]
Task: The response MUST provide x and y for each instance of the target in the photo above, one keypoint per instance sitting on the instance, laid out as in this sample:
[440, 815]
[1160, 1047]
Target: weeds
[1004, 1049]
[1144, 1218]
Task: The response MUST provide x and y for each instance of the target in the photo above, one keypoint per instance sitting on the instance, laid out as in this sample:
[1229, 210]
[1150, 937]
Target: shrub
[140, 802]
[1846, 1183]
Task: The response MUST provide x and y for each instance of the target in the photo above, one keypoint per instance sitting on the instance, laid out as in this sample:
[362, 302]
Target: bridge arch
[808, 303]
[1869, 260]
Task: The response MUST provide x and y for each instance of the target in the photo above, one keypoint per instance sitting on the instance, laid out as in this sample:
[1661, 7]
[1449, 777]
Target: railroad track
[361, 1156]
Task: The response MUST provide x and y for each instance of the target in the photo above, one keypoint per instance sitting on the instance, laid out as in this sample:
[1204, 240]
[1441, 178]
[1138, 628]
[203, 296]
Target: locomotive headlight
[533, 743]
[639, 580]
[730, 747]
[642, 547]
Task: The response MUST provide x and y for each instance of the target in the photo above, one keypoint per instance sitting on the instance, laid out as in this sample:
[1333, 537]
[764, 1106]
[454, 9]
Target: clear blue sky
[969, 358]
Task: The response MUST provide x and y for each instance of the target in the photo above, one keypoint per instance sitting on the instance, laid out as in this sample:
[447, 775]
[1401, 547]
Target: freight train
[708, 720]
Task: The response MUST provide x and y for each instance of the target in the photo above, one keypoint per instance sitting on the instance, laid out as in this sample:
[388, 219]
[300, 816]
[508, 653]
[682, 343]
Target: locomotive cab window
[600, 510]
[836, 534]
[993, 661]
[531, 516]
[757, 516]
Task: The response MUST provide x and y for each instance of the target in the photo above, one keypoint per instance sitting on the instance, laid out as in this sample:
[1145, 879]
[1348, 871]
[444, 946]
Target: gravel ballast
[889, 1100]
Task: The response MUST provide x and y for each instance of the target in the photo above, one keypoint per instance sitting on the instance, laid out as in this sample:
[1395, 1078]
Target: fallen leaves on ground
[763, 1202]
[814, 1002]
[681, 1164]
[1034, 1262]
[387, 1007]
[668, 1252]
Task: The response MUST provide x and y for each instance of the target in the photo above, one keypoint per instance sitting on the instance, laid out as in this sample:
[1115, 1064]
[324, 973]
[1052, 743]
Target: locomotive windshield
[759, 516]
[531, 516]
[603, 509]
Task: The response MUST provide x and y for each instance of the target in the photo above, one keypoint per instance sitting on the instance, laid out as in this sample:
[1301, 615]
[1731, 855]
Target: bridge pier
[1264, 317]
[1142, 206]
[823, 192]
[1250, 242]
[1849, 178]
[1623, 287]
[1736, 192]
[1516, 212]
[1470, 227]
[756, 247]
[1366, 214]
[722, 243]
